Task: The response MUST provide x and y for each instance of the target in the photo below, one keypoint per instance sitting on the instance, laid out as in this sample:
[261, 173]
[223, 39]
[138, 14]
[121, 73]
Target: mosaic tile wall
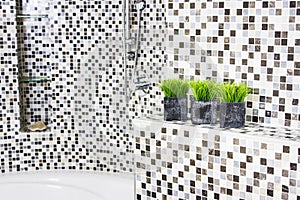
[73, 51]
[152, 58]
[9, 112]
[256, 42]
[88, 115]
[200, 162]
[86, 68]
[25, 47]
[95, 105]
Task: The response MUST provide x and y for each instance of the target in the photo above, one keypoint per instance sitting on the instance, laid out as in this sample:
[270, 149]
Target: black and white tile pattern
[80, 48]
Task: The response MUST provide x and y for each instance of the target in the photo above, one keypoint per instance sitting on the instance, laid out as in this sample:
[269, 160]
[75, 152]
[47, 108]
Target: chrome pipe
[137, 41]
[131, 49]
[127, 21]
[126, 35]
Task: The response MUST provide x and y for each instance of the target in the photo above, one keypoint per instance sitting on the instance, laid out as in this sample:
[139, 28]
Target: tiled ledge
[179, 160]
[251, 129]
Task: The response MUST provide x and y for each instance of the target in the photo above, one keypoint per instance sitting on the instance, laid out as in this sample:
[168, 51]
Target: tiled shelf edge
[179, 160]
[251, 130]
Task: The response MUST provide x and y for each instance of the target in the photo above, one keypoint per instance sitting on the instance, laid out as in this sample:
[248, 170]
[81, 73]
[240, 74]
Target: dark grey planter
[232, 115]
[203, 112]
[175, 109]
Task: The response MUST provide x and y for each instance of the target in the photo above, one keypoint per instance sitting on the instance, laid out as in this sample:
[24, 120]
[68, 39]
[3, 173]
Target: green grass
[174, 88]
[234, 92]
[204, 90]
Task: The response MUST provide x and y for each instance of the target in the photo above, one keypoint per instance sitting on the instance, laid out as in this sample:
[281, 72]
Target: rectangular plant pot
[203, 112]
[175, 109]
[232, 115]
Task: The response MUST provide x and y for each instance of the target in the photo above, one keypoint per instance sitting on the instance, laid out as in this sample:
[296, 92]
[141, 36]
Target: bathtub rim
[75, 179]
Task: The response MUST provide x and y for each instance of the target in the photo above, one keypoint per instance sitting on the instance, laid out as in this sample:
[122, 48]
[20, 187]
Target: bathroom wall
[256, 42]
[152, 58]
[9, 112]
[87, 62]
[252, 41]
[78, 46]
[22, 41]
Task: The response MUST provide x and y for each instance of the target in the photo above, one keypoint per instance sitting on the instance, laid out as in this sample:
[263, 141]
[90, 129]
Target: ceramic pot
[232, 115]
[175, 109]
[203, 112]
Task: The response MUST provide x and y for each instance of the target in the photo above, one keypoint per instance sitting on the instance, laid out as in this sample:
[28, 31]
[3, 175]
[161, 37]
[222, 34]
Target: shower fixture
[132, 43]
[140, 4]
[140, 79]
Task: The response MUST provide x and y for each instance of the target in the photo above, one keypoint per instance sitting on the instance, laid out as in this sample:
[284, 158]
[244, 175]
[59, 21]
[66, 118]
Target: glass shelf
[32, 15]
[34, 79]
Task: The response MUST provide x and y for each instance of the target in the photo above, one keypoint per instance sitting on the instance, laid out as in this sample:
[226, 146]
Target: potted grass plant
[175, 99]
[203, 103]
[232, 107]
